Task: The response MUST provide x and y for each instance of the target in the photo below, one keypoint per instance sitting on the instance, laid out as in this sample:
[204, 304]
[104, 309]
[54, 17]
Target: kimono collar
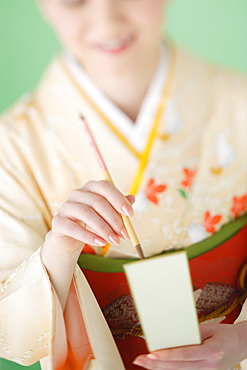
[136, 134]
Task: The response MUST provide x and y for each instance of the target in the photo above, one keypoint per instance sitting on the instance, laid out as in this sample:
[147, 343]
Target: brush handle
[107, 176]
[133, 236]
[127, 223]
[131, 231]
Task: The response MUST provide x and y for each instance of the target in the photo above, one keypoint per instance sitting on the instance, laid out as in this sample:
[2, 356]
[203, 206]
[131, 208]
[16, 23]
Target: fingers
[204, 356]
[112, 194]
[188, 353]
[161, 361]
[215, 352]
[96, 213]
[72, 229]
[93, 214]
[82, 222]
[171, 365]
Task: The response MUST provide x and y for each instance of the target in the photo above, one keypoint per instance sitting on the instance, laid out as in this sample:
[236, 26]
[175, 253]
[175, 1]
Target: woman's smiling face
[110, 34]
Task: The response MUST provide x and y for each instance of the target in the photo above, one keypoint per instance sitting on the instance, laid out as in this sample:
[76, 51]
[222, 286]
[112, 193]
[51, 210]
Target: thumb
[207, 331]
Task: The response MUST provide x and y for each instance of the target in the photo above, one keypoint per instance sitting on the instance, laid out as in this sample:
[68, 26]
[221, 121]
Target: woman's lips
[115, 46]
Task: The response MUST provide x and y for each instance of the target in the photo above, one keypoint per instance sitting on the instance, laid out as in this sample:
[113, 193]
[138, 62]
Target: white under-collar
[136, 133]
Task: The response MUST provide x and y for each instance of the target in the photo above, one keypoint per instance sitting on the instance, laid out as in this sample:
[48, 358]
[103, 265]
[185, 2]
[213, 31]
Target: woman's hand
[91, 215]
[223, 346]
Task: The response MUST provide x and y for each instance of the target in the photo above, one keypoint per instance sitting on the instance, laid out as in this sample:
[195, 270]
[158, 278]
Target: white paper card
[163, 296]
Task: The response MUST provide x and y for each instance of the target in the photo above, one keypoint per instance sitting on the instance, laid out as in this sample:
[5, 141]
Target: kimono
[185, 161]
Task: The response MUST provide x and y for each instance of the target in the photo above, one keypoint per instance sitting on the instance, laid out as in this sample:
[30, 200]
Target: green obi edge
[93, 262]
[8, 365]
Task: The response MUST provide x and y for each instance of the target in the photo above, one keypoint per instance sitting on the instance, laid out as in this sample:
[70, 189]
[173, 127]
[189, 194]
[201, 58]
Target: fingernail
[127, 210]
[124, 233]
[152, 356]
[99, 241]
[114, 239]
[139, 362]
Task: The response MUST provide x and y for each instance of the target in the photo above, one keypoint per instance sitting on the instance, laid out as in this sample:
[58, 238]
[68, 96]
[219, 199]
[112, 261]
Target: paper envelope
[162, 291]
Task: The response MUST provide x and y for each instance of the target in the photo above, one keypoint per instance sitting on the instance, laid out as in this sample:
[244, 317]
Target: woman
[171, 131]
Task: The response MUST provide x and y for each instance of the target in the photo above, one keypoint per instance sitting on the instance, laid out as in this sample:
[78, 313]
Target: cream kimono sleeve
[28, 304]
[32, 324]
[26, 307]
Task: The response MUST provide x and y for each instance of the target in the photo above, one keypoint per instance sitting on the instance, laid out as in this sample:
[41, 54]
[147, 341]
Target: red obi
[219, 275]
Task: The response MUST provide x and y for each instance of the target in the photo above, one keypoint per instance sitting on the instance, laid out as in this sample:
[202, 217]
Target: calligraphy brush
[107, 176]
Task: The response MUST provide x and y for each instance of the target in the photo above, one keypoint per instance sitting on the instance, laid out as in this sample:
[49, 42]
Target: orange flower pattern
[211, 221]
[153, 189]
[188, 177]
[239, 205]
[187, 181]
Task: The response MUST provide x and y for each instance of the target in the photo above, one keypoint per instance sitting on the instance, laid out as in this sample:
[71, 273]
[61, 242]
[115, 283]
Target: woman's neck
[127, 89]
[127, 93]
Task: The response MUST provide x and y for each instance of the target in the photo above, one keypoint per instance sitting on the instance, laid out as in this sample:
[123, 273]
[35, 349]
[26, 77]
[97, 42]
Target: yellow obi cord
[162, 104]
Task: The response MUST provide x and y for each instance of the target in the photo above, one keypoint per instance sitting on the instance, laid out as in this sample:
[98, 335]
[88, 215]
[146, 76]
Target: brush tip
[140, 251]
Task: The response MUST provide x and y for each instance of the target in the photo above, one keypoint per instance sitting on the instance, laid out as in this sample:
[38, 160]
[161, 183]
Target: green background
[213, 29]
